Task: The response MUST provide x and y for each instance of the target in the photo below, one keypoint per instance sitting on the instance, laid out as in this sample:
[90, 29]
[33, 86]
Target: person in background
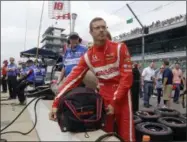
[12, 78]
[135, 87]
[167, 81]
[148, 79]
[159, 85]
[177, 79]
[72, 55]
[141, 87]
[4, 76]
[27, 79]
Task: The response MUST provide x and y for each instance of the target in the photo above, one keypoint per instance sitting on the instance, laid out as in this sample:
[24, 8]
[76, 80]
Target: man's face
[152, 65]
[162, 69]
[177, 66]
[99, 30]
[74, 40]
[11, 60]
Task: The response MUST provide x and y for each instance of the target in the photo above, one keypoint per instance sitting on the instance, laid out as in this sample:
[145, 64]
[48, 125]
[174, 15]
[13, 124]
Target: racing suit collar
[101, 48]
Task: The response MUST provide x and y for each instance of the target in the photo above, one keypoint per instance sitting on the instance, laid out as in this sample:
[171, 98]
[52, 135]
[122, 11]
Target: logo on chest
[95, 58]
[107, 71]
[110, 56]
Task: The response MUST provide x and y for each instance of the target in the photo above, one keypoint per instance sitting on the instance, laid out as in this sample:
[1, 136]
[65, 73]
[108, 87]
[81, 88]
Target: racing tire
[137, 119]
[184, 116]
[178, 125]
[148, 115]
[157, 132]
[166, 112]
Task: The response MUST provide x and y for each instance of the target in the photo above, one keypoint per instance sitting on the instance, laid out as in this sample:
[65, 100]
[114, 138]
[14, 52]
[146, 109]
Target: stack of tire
[161, 124]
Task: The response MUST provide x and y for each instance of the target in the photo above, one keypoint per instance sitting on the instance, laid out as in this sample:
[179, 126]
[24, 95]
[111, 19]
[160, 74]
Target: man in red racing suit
[112, 66]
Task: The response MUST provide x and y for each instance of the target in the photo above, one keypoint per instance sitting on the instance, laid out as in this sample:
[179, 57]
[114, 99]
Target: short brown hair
[109, 35]
[94, 20]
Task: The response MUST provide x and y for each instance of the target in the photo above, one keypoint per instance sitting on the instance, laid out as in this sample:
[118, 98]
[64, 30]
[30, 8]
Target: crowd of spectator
[154, 25]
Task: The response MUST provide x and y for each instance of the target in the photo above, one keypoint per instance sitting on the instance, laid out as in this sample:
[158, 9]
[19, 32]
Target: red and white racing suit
[112, 66]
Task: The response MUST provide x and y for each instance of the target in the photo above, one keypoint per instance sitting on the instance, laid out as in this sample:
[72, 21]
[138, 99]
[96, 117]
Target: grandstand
[166, 40]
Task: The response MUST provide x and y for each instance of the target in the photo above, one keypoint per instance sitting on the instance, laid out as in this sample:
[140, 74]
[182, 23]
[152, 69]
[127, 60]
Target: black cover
[42, 53]
[81, 110]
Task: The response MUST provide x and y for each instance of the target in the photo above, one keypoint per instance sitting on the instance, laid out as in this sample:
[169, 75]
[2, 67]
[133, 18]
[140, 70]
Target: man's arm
[73, 80]
[165, 76]
[143, 75]
[165, 80]
[183, 80]
[61, 75]
[13, 68]
[154, 79]
[126, 76]
[26, 75]
[8, 69]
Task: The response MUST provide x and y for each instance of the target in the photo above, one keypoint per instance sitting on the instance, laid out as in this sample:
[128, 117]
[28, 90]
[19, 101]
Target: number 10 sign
[59, 9]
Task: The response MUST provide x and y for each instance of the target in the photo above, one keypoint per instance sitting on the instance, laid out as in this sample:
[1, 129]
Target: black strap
[109, 135]
[115, 133]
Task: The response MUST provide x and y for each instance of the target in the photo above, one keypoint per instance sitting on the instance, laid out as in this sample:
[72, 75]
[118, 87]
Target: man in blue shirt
[72, 55]
[167, 80]
[29, 78]
[12, 78]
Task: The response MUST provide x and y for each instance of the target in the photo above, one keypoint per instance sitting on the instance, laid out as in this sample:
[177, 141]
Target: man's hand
[53, 115]
[110, 110]
[10, 69]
